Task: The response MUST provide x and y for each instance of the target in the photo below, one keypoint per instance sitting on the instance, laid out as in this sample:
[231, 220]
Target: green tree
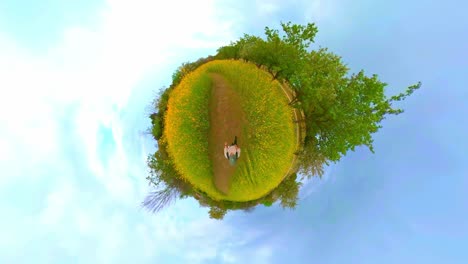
[217, 212]
[228, 52]
[347, 113]
[286, 52]
[156, 123]
[240, 49]
[158, 199]
[279, 54]
[311, 161]
[299, 36]
[167, 184]
[288, 191]
[342, 111]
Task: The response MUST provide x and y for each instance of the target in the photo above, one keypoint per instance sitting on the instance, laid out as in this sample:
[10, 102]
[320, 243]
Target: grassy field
[267, 142]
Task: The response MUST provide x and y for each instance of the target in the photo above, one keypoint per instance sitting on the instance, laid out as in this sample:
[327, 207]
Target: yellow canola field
[269, 139]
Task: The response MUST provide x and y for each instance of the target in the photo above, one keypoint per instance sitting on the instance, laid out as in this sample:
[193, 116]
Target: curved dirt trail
[226, 120]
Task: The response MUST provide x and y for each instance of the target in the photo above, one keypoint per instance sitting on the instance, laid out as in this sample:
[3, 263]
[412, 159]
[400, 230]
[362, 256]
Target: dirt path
[226, 119]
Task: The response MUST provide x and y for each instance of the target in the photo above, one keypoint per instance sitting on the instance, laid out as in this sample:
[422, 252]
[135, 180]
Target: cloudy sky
[76, 78]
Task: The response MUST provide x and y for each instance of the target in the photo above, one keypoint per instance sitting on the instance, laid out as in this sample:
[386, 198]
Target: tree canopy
[342, 110]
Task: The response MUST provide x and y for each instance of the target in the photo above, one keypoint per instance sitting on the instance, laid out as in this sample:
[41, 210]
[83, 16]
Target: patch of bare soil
[226, 119]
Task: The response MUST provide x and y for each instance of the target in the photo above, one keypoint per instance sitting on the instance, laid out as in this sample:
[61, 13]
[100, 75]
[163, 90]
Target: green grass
[268, 140]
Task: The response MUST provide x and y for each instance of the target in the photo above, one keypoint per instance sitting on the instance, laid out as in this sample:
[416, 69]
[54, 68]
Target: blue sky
[76, 80]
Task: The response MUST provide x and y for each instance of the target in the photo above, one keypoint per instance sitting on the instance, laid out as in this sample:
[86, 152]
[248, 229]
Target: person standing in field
[232, 152]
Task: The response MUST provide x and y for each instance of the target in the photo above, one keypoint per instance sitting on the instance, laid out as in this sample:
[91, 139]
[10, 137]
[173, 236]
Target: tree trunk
[275, 76]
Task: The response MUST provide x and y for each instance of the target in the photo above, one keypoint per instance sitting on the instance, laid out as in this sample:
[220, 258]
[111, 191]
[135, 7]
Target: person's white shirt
[231, 150]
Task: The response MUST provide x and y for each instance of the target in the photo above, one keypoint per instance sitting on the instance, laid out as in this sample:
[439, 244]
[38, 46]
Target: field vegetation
[341, 111]
[268, 138]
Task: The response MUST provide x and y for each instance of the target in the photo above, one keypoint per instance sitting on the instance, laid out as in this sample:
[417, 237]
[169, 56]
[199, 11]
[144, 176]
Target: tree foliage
[158, 199]
[217, 213]
[342, 110]
[160, 102]
[288, 191]
[167, 184]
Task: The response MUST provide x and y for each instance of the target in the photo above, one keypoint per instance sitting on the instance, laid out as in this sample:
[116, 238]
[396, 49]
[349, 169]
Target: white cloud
[311, 185]
[95, 69]
[267, 7]
[310, 10]
[320, 11]
[263, 254]
[56, 204]
[99, 67]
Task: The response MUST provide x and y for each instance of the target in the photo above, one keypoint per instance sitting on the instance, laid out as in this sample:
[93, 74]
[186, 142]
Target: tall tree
[167, 184]
[288, 191]
[158, 199]
[279, 54]
[298, 36]
[217, 212]
[341, 111]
